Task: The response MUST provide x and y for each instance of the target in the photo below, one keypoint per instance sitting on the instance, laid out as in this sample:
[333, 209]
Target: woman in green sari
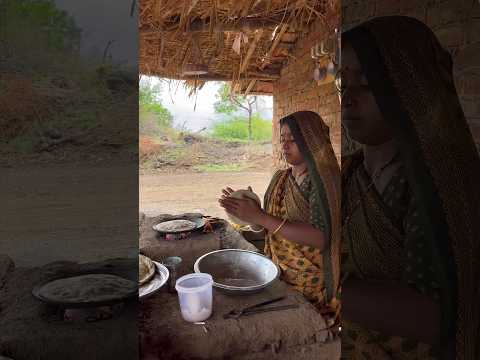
[410, 204]
[301, 211]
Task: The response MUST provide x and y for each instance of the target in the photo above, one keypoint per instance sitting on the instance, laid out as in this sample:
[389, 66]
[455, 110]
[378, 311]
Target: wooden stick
[250, 87]
[215, 77]
[263, 75]
[246, 9]
[251, 50]
[162, 49]
[278, 37]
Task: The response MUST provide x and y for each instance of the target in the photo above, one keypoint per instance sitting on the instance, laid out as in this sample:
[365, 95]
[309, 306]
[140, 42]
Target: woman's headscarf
[312, 138]
[411, 78]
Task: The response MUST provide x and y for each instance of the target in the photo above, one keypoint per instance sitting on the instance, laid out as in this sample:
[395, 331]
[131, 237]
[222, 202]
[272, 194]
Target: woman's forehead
[350, 60]
[285, 130]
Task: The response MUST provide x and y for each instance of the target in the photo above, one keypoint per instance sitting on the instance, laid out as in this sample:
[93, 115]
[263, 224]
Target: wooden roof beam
[275, 43]
[218, 77]
[198, 25]
[243, 24]
[250, 87]
[261, 93]
[258, 88]
[286, 45]
[250, 51]
[263, 75]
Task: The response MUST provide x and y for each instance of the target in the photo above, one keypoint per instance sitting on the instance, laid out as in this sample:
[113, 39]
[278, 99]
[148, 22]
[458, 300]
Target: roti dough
[243, 194]
[146, 269]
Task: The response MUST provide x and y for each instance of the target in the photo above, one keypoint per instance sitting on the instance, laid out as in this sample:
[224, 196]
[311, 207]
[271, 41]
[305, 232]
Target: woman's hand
[249, 210]
[228, 191]
[246, 210]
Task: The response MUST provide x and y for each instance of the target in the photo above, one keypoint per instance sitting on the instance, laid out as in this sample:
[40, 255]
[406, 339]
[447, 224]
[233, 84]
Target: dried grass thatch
[243, 41]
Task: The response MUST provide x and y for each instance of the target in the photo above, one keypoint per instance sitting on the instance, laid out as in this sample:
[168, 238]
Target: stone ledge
[31, 330]
[291, 334]
[6, 266]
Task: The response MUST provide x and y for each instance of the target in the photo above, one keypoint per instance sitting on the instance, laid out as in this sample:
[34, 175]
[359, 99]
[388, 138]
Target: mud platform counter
[287, 334]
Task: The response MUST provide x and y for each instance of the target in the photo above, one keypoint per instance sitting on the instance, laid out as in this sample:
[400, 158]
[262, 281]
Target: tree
[150, 106]
[43, 17]
[229, 104]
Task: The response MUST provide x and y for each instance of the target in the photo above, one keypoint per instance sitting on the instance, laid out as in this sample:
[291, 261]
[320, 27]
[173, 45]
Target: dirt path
[177, 193]
[84, 213]
[90, 213]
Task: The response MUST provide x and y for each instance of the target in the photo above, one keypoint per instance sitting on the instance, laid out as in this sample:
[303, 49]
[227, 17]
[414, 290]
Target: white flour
[195, 316]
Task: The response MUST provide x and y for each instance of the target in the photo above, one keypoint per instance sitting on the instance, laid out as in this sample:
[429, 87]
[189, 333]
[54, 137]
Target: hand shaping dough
[243, 194]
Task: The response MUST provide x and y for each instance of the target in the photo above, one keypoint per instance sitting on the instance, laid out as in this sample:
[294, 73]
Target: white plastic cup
[195, 296]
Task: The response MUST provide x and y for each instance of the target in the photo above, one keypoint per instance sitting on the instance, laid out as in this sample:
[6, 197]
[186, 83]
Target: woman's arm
[391, 308]
[249, 211]
[301, 233]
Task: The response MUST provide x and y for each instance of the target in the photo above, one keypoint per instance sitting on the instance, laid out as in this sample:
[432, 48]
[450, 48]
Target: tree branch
[238, 103]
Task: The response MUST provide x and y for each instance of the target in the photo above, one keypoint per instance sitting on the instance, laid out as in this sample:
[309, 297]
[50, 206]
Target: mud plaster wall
[296, 90]
[456, 24]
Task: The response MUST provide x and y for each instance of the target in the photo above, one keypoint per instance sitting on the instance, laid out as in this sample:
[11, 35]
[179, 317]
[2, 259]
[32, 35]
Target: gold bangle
[279, 227]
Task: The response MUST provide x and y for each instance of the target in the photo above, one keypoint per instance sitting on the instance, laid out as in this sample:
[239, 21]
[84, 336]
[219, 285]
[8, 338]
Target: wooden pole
[250, 87]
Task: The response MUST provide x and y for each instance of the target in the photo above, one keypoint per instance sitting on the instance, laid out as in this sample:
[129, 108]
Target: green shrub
[154, 118]
[236, 128]
[220, 167]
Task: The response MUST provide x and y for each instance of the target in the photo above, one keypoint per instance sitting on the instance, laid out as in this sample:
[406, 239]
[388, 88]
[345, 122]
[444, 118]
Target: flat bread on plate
[146, 269]
[87, 288]
[179, 225]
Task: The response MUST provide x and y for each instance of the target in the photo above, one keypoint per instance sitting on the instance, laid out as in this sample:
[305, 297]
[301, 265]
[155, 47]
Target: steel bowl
[237, 272]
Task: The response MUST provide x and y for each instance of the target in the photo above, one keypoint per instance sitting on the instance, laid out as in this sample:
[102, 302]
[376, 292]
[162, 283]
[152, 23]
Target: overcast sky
[183, 107]
[195, 118]
[105, 20]
[102, 21]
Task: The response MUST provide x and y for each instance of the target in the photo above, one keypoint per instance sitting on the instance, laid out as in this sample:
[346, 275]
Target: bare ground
[89, 213]
[75, 213]
[188, 175]
[191, 192]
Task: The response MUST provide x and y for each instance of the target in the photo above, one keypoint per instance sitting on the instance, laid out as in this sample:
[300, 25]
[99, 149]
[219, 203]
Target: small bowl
[238, 272]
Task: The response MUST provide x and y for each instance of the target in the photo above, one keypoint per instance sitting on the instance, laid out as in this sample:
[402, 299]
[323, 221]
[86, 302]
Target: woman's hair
[305, 116]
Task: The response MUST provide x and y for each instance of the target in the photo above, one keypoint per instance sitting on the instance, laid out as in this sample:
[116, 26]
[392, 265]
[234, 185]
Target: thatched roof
[244, 41]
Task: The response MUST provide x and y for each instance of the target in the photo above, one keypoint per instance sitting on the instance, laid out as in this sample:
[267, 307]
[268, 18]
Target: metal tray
[159, 280]
[71, 305]
[200, 222]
